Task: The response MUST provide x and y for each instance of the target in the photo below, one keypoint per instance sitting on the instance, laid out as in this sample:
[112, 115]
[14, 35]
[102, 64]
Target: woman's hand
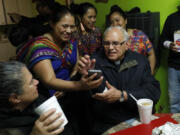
[82, 29]
[89, 82]
[84, 64]
[47, 124]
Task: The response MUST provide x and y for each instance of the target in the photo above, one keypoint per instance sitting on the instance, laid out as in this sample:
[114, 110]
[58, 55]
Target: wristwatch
[122, 97]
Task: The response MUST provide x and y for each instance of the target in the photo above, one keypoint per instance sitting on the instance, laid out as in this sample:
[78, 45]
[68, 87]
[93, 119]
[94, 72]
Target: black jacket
[20, 120]
[134, 76]
[171, 25]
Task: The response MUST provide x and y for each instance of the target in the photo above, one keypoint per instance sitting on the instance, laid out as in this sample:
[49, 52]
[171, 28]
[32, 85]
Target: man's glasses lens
[107, 43]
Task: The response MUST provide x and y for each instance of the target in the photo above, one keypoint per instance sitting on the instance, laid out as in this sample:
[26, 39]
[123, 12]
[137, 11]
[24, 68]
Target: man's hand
[110, 96]
[47, 124]
[85, 63]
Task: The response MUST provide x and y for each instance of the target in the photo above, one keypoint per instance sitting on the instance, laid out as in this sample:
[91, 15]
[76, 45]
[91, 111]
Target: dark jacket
[19, 120]
[171, 25]
[134, 76]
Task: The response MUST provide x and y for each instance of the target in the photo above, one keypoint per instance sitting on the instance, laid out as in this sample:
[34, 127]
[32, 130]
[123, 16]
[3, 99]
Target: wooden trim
[5, 17]
[66, 2]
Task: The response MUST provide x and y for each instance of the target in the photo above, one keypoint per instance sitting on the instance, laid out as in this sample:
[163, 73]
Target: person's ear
[14, 99]
[127, 45]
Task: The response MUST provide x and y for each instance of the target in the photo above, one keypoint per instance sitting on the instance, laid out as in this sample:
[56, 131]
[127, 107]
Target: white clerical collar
[117, 62]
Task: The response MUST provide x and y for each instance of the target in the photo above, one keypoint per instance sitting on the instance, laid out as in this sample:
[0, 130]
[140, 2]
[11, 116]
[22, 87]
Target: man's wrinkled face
[114, 44]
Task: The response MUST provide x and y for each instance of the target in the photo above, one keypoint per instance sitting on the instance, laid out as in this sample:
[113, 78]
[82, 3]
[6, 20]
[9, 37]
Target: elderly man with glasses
[124, 72]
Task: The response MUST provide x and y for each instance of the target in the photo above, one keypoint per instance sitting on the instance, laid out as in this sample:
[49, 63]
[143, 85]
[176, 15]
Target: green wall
[165, 7]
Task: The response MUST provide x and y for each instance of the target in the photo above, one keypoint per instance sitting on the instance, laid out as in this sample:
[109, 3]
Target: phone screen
[93, 71]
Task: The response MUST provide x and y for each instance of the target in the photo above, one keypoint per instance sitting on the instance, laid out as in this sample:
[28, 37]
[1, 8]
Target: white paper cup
[178, 47]
[145, 110]
[52, 103]
[177, 39]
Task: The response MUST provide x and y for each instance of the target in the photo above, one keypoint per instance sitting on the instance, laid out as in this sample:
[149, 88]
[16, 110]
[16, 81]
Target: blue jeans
[174, 89]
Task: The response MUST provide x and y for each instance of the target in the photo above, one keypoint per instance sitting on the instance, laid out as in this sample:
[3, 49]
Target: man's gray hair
[126, 36]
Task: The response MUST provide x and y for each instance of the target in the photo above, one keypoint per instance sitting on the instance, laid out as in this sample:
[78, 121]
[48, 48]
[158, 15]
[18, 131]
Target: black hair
[60, 13]
[18, 35]
[54, 6]
[82, 8]
[178, 8]
[11, 81]
[116, 8]
[49, 3]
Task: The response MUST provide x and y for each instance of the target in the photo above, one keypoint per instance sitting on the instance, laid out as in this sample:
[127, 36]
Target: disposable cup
[145, 110]
[177, 40]
[178, 44]
[51, 103]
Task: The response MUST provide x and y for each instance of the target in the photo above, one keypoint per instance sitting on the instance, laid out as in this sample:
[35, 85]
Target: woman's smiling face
[117, 20]
[64, 28]
[89, 19]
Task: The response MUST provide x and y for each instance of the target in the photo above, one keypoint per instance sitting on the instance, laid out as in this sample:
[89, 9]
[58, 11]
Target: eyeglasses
[115, 43]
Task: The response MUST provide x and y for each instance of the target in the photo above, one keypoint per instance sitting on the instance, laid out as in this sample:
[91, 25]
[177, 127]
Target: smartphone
[93, 71]
[99, 74]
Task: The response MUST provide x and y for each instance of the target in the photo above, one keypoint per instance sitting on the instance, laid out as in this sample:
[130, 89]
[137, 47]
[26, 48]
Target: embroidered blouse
[139, 42]
[41, 48]
[89, 42]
